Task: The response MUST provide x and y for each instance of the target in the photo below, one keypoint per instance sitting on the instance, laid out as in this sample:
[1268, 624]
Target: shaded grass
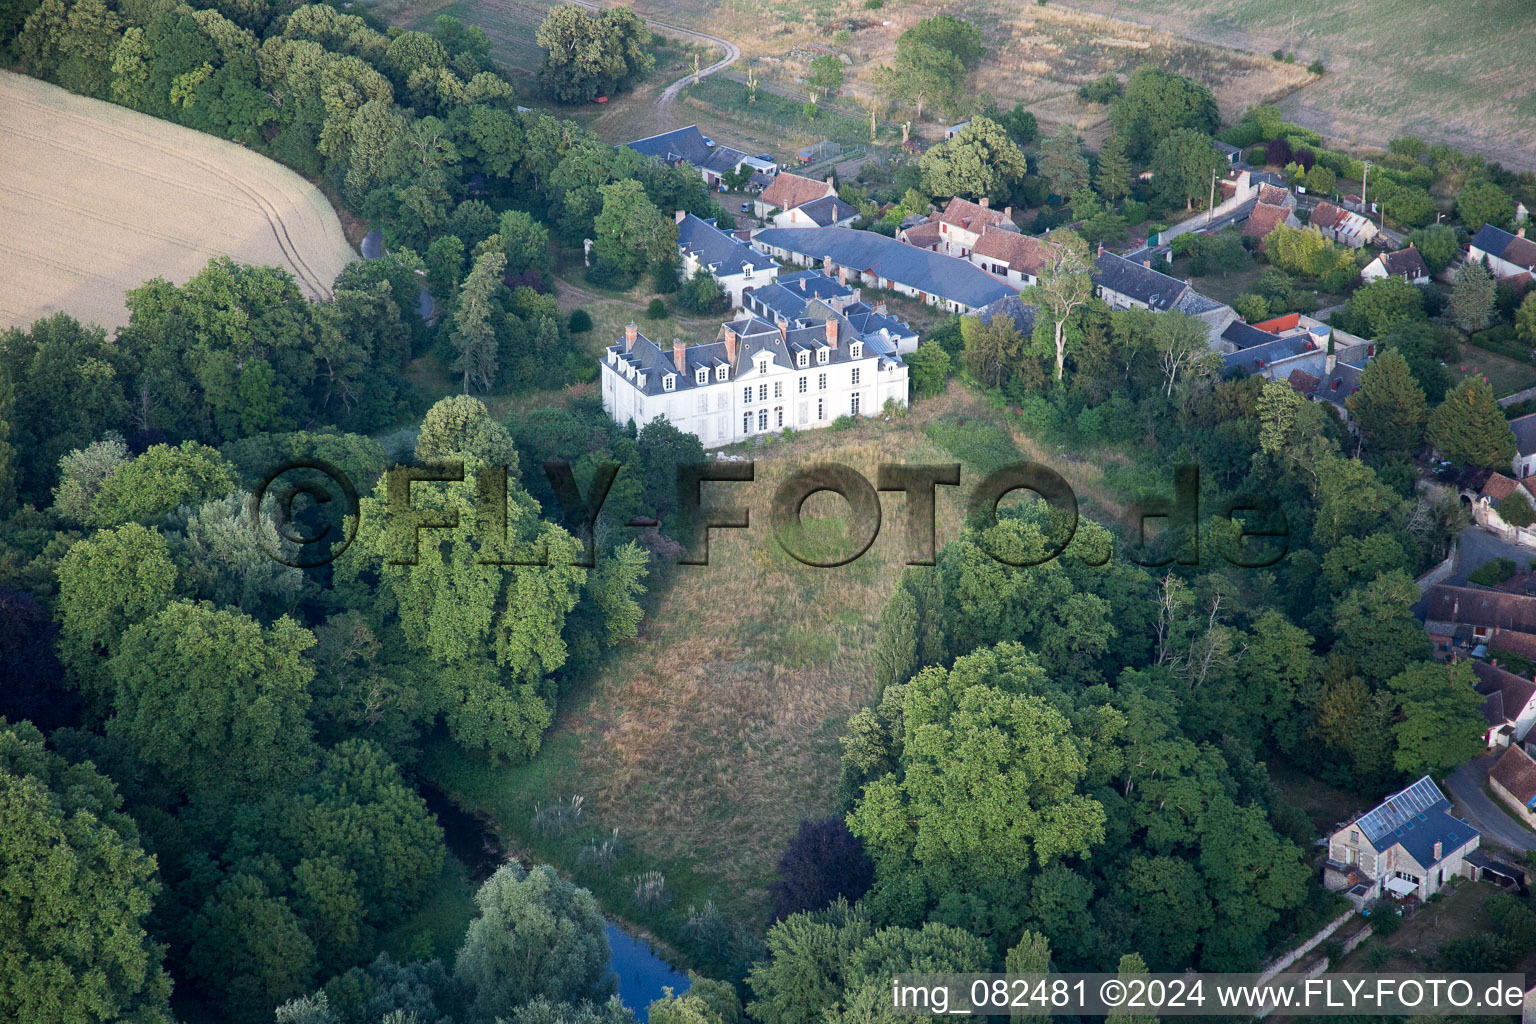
[1505, 375]
[437, 926]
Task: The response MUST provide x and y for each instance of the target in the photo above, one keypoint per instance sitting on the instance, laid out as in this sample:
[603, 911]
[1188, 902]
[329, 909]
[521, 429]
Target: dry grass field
[96, 199]
[1447, 70]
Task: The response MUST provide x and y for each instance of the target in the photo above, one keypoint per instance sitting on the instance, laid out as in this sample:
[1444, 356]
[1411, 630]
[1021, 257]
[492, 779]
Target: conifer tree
[1114, 176]
[1470, 427]
[1390, 405]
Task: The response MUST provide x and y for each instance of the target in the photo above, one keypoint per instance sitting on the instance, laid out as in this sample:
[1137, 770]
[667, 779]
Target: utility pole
[1210, 210]
[1365, 206]
[695, 69]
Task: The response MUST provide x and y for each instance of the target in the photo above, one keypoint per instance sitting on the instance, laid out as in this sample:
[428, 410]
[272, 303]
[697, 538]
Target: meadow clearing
[1448, 72]
[96, 199]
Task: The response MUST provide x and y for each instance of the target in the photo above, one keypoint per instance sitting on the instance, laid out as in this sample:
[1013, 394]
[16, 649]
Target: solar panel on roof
[1391, 814]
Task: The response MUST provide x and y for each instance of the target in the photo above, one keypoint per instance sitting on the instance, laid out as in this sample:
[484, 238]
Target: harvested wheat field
[97, 199]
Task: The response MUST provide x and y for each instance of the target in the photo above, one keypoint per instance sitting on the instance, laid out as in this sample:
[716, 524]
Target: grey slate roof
[1159, 291]
[866, 251]
[1245, 336]
[1022, 313]
[1340, 384]
[688, 144]
[1255, 358]
[789, 293]
[1501, 244]
[715, 248]
[1417, 818]
[1525, 433]
[828, 210]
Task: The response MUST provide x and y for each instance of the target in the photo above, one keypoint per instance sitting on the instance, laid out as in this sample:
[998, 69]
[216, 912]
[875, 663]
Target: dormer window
[802, 359]
[701, 377]
[821, 355]
[762, 366]
[669, 382]
[721, 371]
[856, 350]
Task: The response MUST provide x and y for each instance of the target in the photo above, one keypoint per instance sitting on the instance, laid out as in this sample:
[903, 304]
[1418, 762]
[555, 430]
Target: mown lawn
[1505, 376]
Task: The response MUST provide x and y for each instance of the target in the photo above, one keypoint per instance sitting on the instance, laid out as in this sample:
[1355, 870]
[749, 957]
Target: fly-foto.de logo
[1258, 536]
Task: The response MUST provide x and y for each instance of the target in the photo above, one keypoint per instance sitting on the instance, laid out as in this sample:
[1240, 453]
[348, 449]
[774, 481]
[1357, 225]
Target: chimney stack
[842, 276]
[1008, 212]
[1147, 264]
[679, 215]
[631, 332]
[1101, 249]
[984, 201]
[831, 332]
[784, 331]
[730, 346]
[680, 355]
[1438, 849]
[802, 284]
[826, 265]
[830, 180]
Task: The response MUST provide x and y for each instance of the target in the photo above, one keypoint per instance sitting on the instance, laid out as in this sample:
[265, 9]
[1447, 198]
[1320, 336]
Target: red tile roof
[1516, 772]
[1515, 642]
[924, 235]
[962, 213]
[1274, 195]
[791, 190]
[1326, 215]
[1279, 324]
[1264, 219]
[1303, 383]
[1024, 253]
[1499, 487]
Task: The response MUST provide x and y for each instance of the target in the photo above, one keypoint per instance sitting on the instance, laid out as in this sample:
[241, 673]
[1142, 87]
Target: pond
[642, 974]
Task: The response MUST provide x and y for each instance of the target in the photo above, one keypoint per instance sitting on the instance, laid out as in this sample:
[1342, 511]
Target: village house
[735, 265]
[689, 146]
[788, 192]
[1351, 229]
[1524, 428]
[754, 378]
[962, 223]
[1465, 617]
[826, 212]
[1127, 284]
[1513, 780]
[1505, 255]
[1485, 507]
[1509, 704]
[1274, 206]
[1014, 257]
[1409, 845]
[922, 232]
[877, 261]
[1407, 264]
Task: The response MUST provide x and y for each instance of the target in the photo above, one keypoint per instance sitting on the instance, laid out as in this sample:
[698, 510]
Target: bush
[1385, 921]
[581, 321]
[605, 275]
[1516, 511]
[657, 310]
[1494, 572]
[1316, 68]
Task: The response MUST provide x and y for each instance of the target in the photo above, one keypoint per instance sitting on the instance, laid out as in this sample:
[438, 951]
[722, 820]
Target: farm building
[689, 146]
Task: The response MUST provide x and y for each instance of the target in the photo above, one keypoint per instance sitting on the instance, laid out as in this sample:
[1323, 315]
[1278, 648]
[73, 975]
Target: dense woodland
[207, 754]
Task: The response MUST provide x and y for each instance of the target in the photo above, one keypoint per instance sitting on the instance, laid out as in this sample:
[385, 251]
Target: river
[641, 973]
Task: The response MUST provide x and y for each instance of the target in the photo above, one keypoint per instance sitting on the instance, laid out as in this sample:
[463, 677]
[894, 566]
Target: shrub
[581, 321]
[873, 5]
[1516, 511]
[657, 310]
[1316, 68]
[1385, 921]
[824, 861]
[1494, 572]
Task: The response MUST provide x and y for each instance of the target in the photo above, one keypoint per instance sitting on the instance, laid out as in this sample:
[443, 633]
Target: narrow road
[1466, 790]
[668, 96]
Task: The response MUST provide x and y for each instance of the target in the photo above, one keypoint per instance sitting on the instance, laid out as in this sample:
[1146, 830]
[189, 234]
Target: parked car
[746, 207]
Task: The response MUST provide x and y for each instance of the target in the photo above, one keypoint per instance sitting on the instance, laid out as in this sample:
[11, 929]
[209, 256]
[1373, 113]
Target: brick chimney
[826, 265]
[831, 332]
[631, 332]
[984, 201]
[784, 331]
[680, 355]
[1147, 264]
[1008, 212]
[679, 215]
[1101, 249]
[842, 276]
[730, 346]
[1438, 849]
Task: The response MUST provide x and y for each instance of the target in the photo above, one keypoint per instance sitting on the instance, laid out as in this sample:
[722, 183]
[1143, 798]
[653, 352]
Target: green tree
[992, 350]
[1377, 629]
[1437, 245]
[1383, 304]
[460, 427]
[981, 160]
[591, 54]
[1470, 428]
[1484, 203]
[1131, 965]
[1472, 296]
[630, 233]
[924, 74]
[249, 948]
[215, 701]
[930, 368]
[1062, 162]
[524, 241]
[1441, 722]
[536, 935]
[161, 480]
[1157, 103]
[1063, 286]
[474, 322]
[947, 33]
[1525, 320]
[1184, 163]
[445, 266]
[1390, 406]
[1113, 179]
[826, 76]
[79, 889]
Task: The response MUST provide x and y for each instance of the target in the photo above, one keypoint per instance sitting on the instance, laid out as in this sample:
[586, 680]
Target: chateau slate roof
[717, 249]
[866, 251]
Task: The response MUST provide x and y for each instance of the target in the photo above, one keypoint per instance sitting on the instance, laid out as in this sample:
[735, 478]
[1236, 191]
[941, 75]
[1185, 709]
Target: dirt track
[96, 199]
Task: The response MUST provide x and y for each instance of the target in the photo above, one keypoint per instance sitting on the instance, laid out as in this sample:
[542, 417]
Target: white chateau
[758, 377]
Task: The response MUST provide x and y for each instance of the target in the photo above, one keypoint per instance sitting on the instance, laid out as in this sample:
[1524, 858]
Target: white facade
[760, 381]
